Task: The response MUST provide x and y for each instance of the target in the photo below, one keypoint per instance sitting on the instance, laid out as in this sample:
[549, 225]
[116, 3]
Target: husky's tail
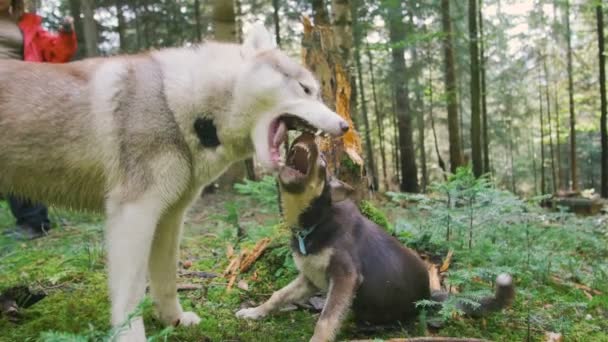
[502, 298]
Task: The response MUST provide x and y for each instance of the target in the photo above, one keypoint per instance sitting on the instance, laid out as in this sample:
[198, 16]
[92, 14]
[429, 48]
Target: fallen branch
[584, 288]
[189, 287]
[251, 258]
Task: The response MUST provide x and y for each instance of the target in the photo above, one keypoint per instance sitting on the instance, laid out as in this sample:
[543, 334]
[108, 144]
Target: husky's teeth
[318, 132]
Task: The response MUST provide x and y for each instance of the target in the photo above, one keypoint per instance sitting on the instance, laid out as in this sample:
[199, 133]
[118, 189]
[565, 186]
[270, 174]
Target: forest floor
[559, 262]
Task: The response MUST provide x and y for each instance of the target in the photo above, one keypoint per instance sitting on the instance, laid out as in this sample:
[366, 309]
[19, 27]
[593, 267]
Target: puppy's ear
[258, 39]
[340, 190]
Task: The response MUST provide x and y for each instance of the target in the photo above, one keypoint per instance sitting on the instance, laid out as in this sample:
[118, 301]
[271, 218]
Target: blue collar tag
[302, 235]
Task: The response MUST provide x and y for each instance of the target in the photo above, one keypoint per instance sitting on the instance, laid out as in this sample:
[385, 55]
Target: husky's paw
[188, 319]
[250, 313]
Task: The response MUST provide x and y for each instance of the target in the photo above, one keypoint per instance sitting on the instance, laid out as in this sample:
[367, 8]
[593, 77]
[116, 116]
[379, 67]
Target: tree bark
[603, 118]
[224, 20]
[343, 154]
[456, 158]
[475, 99]
[484, 104]
[409, 173]
[319, 10]
[573, 171]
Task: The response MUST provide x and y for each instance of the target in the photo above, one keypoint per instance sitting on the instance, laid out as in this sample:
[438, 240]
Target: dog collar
[302, 234]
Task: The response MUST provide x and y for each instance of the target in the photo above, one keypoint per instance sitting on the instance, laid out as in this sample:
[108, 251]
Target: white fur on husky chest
[314, 267]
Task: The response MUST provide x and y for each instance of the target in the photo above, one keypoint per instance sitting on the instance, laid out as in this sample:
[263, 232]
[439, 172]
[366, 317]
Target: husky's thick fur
[338, 250]
[122, 135]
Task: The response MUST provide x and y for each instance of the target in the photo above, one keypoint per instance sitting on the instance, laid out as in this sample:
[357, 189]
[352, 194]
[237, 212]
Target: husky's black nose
[344, 126]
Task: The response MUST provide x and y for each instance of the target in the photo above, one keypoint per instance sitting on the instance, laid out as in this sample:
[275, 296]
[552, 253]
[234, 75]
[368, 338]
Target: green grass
[507, 235]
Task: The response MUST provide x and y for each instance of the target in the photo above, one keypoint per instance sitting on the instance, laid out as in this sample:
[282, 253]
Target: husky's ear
[258, 39]
[339, 190]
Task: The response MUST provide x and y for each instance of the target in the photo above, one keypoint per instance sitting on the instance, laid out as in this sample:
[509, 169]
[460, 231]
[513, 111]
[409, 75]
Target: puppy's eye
[307, 90]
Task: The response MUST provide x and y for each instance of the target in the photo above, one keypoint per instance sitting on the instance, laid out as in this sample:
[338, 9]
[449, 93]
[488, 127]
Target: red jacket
[40, 45]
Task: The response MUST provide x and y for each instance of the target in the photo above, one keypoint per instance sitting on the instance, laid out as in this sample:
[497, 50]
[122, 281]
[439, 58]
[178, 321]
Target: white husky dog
[139, 136]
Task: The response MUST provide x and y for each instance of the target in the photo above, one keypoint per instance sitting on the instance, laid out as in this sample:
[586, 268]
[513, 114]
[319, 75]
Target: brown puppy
[338, 250]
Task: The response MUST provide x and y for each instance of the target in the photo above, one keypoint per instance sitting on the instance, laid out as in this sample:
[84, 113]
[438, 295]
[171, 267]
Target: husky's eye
[306, 89]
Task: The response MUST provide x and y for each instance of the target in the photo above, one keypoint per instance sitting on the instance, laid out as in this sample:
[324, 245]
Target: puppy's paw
[187, 319]
[250, 313]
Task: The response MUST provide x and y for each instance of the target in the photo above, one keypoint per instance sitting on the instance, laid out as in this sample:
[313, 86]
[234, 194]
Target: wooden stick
[259, 248]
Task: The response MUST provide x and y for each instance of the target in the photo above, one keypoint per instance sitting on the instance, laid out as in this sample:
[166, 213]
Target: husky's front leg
[339, 297]
[299, 289]
[130, 230]
[163, 270]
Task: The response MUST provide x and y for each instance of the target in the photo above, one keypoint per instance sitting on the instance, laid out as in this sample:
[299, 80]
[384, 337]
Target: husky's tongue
[279, 136]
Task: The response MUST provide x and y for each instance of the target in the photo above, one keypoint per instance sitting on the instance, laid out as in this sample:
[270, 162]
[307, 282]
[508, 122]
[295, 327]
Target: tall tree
[122, 42]
[415, 74]
[603, 120]
[89, 27]
[409, 172]
[275, 19]
[484, 102]
[475, 99]
[550, 126]
[573, 171]
[75, 10]
[198, 31]
[357, 30]
[543, 188]
[379, 116]
[456, 158]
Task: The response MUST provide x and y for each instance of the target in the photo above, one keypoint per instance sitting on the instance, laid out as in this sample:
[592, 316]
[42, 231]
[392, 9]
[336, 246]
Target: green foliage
[264, 191]
[375, 215]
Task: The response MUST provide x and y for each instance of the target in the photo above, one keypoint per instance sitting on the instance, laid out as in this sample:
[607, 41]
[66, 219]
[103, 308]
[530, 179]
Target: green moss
[375, 215]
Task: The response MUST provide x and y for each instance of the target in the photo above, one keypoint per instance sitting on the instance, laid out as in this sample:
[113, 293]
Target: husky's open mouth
[277, 134]
[301, 159]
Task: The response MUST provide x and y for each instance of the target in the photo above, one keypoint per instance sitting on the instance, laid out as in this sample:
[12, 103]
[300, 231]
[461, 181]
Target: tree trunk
[319, 10]
[456, 158]
[416, 71]
[396, 152]
[409, 173]
[122, 42]
[138, 38]
[484, 104]
[439, 158]
[75, 10]
[198, 31]
[224, 21]
[543, 188]
[603, 124]
[558, 152]
[343, 154]
[371, 165]
[573, 171]
[224, 28]
[90, 27]
[275, 19]
[379, 118]
[551, 149]
[475, 99]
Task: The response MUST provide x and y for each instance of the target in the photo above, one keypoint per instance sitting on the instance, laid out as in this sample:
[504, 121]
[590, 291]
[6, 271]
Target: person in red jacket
[23, 37]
